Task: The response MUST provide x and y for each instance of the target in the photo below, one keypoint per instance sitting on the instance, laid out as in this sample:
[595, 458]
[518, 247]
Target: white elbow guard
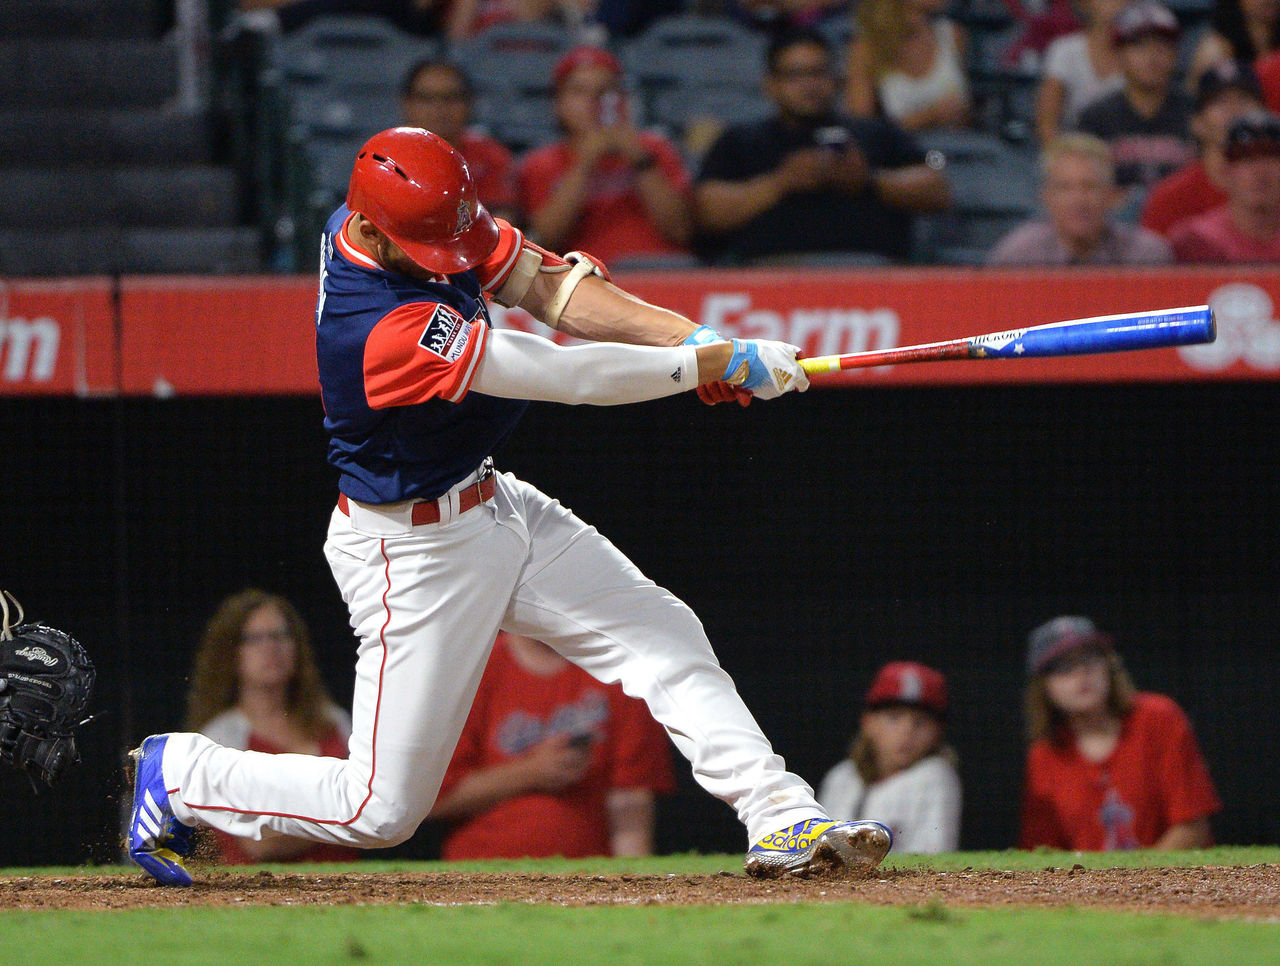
[533, 259]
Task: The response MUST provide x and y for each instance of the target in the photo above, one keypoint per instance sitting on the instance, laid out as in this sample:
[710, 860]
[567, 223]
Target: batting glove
[766, 369]
[713, 393]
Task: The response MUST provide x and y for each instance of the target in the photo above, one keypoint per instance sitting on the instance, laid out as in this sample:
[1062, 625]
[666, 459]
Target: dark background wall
[816, 536]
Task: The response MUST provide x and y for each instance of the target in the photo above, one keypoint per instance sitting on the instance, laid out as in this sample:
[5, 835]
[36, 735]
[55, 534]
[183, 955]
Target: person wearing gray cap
[1109, 767]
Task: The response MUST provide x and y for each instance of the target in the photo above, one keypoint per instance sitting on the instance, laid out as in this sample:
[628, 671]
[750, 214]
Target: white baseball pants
[426, 603]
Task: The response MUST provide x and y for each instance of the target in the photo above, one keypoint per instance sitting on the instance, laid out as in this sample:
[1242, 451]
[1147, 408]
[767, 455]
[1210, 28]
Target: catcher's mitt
[45, 682]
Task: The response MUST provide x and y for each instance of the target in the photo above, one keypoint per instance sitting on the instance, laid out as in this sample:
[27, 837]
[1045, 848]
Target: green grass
[795, 934]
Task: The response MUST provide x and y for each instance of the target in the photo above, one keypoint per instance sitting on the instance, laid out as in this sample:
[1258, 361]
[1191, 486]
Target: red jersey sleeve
[421, 351]
[669, 162]
[1188, 789]
[642, 752]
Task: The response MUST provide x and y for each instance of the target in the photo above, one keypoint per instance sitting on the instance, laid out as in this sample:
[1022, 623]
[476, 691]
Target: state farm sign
[818, 330]
[57, 338]
[28, 349]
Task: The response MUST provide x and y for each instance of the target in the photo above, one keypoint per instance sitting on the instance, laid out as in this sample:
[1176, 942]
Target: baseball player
[434, 551]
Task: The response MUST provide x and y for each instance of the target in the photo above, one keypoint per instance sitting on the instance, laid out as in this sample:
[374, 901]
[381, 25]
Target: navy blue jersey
[396, 357]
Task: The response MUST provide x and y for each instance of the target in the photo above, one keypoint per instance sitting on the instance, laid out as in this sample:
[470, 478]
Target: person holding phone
[607, 187]
[551, 762]
[809, 179]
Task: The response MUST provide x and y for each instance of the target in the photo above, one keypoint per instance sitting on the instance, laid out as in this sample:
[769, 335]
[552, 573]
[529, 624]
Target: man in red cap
[434, 552]
[607, 187]
[899, 767]
[1246, 228]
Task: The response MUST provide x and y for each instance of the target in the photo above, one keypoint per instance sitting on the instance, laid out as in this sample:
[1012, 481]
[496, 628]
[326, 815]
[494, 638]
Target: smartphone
[611, 108]
[833, 137]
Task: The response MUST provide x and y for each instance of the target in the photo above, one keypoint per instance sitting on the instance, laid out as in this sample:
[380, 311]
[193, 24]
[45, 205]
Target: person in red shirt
[256, 687]
[1109, 767]
[551, 762]
[1247, 227]
[1226, 90]
[438, 95]
[1267, 69]
[606, 188]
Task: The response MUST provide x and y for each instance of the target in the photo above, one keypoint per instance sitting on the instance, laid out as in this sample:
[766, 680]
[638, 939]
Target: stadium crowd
[860, 131]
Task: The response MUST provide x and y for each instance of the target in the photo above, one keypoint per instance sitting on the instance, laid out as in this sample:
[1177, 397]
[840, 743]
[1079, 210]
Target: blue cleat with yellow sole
[157, 840]
[819, 847]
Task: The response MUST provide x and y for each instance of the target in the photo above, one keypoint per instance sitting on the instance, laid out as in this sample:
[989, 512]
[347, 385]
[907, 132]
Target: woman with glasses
[256, 687]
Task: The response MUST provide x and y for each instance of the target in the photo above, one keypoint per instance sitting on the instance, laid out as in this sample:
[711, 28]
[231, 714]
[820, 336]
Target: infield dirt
[1249, 892]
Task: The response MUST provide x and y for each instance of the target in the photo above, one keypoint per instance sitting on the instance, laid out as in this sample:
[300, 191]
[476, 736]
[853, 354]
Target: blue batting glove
[744, 367]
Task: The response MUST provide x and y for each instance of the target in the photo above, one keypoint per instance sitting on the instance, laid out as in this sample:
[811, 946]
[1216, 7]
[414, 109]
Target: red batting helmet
[418, 191]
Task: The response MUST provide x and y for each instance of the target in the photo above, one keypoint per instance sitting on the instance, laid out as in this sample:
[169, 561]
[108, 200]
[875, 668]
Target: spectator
[1148, 121]
[1079, 194]
[1267, 70]
[256, 687]
[1246, 228]
[1108, 767]
[1079, 68]
[437, 95]
[899, 765]
[907, 63]
[1225, 91]
[1042, 24]
[552, 762]
[1239, 30]
[807, 179]
[606, 188]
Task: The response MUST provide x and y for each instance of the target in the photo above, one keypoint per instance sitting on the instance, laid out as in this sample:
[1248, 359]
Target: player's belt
[428, 511]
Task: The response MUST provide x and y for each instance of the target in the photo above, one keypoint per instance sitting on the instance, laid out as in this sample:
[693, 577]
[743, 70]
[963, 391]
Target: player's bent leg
[584, 598]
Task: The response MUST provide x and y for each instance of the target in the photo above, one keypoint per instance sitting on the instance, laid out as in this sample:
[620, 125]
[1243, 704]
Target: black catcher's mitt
[45, 682]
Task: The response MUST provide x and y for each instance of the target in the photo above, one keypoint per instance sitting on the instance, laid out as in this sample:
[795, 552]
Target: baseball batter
[434, 551]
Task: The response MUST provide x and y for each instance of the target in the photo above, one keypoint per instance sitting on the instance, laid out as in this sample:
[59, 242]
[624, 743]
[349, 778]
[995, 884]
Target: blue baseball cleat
[819, 847]
[157, 840]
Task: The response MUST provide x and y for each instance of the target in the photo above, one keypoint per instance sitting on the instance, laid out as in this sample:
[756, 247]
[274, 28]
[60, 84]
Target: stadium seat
[518, 119]
[691, 49]
[990, 195]
[99, 137]
[332, 111]
[350, 51]
[48, 74]
[188, 195]
[514, 56]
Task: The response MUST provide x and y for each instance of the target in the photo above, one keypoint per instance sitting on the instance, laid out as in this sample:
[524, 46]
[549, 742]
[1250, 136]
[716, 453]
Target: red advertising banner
[199, 336]
[233, 336]
[57, 338]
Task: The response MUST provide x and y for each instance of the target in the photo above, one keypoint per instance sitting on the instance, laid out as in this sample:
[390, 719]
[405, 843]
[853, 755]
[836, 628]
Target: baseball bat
[1190, 325]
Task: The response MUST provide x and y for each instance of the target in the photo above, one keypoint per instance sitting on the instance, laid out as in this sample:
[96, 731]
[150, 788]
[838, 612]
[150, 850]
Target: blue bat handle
[1108, 333]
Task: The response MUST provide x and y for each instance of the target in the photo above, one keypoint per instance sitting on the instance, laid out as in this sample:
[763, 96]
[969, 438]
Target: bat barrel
[1109, 333]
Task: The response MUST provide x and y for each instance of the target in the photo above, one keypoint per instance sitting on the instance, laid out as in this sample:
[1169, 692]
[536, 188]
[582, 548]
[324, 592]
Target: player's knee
[386, 823]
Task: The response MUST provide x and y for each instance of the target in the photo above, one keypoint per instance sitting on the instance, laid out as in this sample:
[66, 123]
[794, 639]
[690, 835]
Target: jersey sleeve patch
[421, 351]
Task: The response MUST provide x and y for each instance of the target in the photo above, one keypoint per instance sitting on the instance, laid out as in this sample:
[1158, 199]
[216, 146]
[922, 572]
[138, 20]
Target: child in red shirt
[1108, 768]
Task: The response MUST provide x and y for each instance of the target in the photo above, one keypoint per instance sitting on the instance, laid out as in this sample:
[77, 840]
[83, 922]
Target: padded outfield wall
[816, 536]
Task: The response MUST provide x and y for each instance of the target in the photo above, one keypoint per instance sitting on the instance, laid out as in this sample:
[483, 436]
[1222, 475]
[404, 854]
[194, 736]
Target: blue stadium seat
[691, 49]
[514, 56]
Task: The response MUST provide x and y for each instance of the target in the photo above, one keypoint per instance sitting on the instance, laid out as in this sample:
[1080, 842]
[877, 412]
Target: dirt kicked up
[1237, 892]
